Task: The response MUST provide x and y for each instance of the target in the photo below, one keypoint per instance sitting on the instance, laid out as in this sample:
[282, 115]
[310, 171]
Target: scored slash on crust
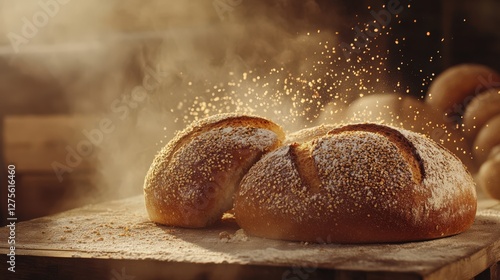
[361, 183]
[402, 143]
[353, 184]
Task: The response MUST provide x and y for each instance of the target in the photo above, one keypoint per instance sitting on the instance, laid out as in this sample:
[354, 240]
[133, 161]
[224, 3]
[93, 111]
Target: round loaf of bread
[480, 110]
[453, 89]
[192, 181]
[361, 183]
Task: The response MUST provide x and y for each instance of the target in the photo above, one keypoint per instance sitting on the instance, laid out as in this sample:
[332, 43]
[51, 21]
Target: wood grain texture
[101, 236]
[34, 143]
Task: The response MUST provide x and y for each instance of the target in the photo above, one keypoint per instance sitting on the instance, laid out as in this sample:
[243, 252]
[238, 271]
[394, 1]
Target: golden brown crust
[412, 114]
[308, 134]
[192, 180]
[405, 147]
[305, 165]
[368, 191]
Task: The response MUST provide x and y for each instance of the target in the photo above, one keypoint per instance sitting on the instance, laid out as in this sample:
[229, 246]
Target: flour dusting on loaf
[193, 179]
[376, 184]
[446, 177]
[361, 159]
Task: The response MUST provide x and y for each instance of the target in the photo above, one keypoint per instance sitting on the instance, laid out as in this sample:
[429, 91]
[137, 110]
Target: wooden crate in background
[39, 144]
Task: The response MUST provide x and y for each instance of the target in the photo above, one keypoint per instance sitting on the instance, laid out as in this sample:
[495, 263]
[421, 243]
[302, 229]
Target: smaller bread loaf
[480, 110]
[453, 89]
[191, 182]
[359, 183]
[495, 152]
[333, 112]
[487, 138]
[489, 176]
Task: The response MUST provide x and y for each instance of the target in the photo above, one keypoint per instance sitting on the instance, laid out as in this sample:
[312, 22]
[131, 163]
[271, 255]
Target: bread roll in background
[361, 183]
[379, 108]
[333, 113]
[469, 94]
[488, 177]
[494, 152]
[192, 180]
[411, 114]
[479, 111]
[487, 138]
[454, 88]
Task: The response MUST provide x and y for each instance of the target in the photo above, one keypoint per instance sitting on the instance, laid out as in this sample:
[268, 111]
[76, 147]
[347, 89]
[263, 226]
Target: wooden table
[115, 240]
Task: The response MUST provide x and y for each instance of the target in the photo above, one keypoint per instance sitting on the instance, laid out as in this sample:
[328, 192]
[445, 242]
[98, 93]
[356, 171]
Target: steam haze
[258, 57]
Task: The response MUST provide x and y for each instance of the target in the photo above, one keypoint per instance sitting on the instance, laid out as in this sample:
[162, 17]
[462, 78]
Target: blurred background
[91, 90]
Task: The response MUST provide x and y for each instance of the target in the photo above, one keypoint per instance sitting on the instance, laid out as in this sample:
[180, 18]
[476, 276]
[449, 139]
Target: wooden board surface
[120, 230]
